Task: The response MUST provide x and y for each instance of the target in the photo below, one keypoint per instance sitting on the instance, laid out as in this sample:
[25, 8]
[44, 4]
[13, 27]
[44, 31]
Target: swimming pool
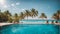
[30, 29]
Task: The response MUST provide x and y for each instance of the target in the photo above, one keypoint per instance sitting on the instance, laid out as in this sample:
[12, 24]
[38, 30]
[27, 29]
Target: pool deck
[2, 24]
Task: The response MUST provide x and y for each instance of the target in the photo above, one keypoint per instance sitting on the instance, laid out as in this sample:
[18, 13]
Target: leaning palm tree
[34, 12]
[21, 16]
[7, 15]
[43, 16]
[27, 13]
[16, 18]
[56, 16]
[1, 16]
[4, 16]
[10, 20]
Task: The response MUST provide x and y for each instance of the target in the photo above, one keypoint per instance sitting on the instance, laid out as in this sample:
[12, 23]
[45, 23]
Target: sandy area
[2, 24]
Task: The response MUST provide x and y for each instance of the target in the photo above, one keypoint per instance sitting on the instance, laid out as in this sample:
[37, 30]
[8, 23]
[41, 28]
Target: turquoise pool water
[30, 29]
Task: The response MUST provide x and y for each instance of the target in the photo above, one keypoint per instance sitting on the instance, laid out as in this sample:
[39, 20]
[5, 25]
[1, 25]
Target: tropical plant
[16, 18]
[1, 16]
[34, 12]
[56, 16]
[27, 13]
[21, 16]
[43, 16]
[7, 15]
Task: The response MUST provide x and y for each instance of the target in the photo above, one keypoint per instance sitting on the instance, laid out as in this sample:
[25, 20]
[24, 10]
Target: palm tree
[34, 12]
[56, 16]
[1, 16]
[10, 20]
[27, 13]
[21, 16]
[43, 16]
[16, 18]
[7, 15]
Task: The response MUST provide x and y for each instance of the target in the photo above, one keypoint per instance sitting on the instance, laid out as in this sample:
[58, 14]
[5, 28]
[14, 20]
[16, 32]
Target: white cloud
[23, 9]
[5, 6]
[12, 4]
[17, 3]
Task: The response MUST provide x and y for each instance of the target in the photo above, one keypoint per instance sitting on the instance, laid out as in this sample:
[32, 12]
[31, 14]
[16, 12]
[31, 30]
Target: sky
[49, 7]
